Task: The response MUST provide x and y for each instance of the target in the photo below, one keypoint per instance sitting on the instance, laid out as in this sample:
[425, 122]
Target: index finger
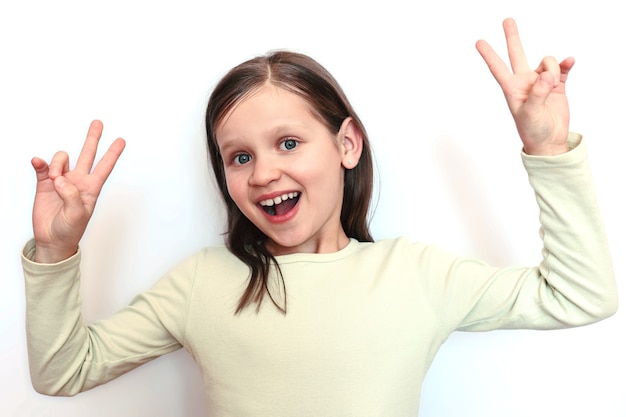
[517, 57]
[90, 147]
[496, 65]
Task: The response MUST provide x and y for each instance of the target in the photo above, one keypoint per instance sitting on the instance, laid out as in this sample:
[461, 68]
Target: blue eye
[242, 158]
[289, 144]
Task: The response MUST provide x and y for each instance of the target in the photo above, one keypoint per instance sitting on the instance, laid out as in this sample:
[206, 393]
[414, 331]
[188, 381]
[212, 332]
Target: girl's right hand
[65, 199]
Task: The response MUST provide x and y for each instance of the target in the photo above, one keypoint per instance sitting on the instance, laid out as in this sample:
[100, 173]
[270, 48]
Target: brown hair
[305, 77]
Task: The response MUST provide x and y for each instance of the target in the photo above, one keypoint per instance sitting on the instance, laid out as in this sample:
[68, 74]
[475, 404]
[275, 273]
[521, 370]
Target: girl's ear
[350, 140]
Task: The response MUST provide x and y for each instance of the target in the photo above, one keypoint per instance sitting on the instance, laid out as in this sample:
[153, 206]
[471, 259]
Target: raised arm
[574, 284]
[65, 198]
[66, 355]
[536, 97]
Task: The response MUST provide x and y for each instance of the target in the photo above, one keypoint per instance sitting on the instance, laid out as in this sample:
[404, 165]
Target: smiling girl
[301, 312]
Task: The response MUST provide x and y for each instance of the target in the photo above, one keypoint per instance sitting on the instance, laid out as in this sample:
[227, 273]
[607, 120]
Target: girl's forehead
[264, 106]
[264, 89]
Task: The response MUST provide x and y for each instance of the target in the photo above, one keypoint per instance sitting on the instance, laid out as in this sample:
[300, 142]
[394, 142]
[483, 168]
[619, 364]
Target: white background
[447, 163]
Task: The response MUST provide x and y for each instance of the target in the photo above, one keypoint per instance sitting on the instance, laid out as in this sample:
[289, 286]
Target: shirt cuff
[577, 153]
[28, 256]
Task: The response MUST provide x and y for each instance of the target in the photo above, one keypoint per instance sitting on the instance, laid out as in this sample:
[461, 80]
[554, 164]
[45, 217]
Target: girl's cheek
[236, 184]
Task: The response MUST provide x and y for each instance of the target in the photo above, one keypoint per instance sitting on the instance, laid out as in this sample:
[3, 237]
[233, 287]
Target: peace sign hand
[65, 199]
[536, 98]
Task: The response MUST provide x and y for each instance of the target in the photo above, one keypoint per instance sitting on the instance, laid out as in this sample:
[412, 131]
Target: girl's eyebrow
[225, 145]
[286, 130]
[283, 129]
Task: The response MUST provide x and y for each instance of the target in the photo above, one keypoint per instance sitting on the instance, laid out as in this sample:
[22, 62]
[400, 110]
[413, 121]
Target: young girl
[302, 313]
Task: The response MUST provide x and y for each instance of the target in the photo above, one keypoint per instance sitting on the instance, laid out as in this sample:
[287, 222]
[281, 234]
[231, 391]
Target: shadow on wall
[483, 225]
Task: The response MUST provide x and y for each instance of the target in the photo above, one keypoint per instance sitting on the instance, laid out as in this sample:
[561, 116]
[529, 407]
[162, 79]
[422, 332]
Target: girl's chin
[278, 248]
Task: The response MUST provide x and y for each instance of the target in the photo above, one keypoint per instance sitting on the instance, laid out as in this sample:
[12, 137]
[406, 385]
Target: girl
[302, 313]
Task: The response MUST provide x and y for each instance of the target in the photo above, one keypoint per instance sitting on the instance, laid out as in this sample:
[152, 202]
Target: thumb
[70, 196]
[540, 90]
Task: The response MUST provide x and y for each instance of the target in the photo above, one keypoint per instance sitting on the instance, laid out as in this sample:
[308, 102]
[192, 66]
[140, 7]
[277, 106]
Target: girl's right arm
[64, 202]
[65, 198]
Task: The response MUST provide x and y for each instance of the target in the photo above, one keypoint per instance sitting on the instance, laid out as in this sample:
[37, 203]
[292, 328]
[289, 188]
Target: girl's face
[284, 170]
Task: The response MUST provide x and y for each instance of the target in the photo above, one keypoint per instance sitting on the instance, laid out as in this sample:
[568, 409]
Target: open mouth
[280, 205]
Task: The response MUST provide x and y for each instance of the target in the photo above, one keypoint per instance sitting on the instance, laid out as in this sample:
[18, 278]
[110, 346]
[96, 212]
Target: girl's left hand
[536, 98]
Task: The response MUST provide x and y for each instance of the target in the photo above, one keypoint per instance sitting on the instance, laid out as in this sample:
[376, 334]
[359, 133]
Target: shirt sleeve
[573, 285]
[67, 356]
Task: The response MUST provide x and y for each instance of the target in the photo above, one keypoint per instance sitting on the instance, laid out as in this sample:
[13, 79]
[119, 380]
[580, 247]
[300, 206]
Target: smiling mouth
[280, 205]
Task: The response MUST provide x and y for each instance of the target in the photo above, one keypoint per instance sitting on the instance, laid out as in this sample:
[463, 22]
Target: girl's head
[304, 77]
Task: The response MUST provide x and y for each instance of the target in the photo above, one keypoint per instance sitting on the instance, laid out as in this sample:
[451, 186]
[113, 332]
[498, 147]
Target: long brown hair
[305, 77]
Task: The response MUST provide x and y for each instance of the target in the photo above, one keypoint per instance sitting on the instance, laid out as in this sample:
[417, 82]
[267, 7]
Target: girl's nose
[265, 171]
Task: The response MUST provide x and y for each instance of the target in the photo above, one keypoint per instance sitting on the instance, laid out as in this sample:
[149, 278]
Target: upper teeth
[277, 200]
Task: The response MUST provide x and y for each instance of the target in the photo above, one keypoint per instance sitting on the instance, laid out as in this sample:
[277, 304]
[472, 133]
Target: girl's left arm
[574, 284]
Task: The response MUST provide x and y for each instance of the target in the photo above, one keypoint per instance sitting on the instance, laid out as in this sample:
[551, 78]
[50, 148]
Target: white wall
[442, 136]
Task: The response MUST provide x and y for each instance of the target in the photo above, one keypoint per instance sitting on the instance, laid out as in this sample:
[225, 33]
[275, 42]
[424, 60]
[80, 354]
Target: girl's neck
[311, 246]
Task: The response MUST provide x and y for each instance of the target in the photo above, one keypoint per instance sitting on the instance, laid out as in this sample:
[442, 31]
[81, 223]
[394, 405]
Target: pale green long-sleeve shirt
[363, 324]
